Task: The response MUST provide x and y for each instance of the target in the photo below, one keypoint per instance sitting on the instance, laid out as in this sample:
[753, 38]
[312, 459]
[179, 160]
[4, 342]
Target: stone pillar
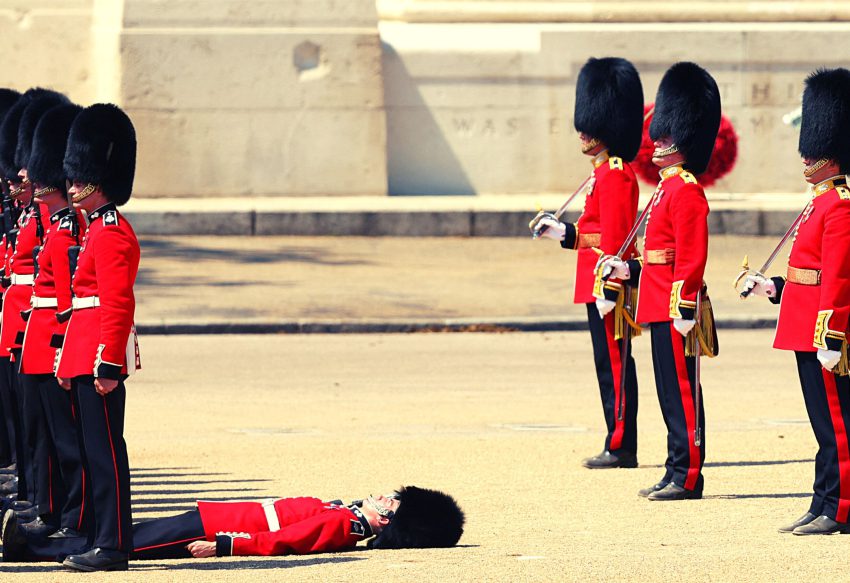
[271, 97]
[45, 43]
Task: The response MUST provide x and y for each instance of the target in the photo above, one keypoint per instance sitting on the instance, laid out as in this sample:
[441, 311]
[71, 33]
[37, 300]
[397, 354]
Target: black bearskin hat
[39, 104]
[609, 105]
[687, 108]
[102, 151]
[425, 519]
[8, 97]
[825, 127]
[9, 131]
[48, 145]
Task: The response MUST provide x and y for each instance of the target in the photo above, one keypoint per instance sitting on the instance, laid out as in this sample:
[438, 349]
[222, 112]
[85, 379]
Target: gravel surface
[501, 421]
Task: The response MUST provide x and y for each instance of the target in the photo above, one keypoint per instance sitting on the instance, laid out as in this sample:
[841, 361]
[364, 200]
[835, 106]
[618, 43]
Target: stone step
[418, 216]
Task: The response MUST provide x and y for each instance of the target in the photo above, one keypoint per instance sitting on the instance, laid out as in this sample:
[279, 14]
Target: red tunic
[303, 525]
[44, 333]
[609, 212]
[816, 316]
[678, 222]
[17, 297]
[101, 340]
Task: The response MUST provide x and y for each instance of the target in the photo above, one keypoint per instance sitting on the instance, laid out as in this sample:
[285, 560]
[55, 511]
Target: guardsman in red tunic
[16, 136]
[100, 348]
[29, 243]
[609, 117]
[671, 290]
[60, 481]
[8, 97]
[410, 518]
[814, 297]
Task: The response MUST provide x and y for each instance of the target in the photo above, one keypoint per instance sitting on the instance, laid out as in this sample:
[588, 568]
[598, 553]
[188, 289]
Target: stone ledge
[405, 326]
[417, 222]
[463, 11]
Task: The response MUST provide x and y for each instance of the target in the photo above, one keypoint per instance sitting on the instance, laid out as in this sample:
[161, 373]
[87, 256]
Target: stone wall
[487, 107]
[314, 97]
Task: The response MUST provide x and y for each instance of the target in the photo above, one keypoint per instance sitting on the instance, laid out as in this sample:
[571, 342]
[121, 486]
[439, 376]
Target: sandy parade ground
[501, 421]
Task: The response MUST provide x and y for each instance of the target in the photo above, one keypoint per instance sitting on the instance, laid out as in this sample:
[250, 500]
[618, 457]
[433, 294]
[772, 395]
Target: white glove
[829, 358]
[615, 267]
[760, 286]
[683, 326]
[551, 228]
[604, 306]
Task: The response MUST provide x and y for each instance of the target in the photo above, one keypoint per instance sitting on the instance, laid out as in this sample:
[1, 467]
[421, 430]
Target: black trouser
[105, 462]
[63, 475]
[161, 538]
[48, 490]
[26, 406]
[10, 419]
[620, 413]
[827, 398]
[674, 381]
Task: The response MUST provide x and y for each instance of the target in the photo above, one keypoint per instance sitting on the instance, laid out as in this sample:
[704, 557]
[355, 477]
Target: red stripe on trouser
[82, 479]
[841, 445]
[115, 467]
[83, 504]
[615, 358]
[685, 389]
[50, 482]
[176, 542]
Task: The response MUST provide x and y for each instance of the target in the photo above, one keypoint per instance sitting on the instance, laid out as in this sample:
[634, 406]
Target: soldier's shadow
[742, 463]
[254, 563]
[196, 564]
[748, 496]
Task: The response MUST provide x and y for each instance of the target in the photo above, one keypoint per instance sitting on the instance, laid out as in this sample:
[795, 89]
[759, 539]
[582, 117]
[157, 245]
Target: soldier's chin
[811, 169]
[83, 194]
[588, 146]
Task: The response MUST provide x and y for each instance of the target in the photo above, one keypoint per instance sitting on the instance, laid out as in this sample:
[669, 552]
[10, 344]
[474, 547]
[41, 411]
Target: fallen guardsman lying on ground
[410, 518]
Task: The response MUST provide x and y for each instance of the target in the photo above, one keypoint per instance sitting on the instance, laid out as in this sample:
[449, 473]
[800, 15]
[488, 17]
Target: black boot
[607, 460]
[673, 492]
[98, 559]
[14, 541]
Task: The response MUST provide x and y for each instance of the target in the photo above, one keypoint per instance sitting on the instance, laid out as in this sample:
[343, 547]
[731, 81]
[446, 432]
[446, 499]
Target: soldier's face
[21, 190]
[815, 171]
[88, 197]
[379, 511]
[590, 145]
[666, 153]
[48, 196]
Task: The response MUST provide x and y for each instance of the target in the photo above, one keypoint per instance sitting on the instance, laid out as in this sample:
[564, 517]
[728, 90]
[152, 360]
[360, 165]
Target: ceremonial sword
[745, 267]
[697, 387]
[630, 238]
[627, 332]
[535, 232]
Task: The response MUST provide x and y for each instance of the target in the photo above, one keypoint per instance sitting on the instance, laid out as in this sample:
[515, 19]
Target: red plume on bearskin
[722, 159]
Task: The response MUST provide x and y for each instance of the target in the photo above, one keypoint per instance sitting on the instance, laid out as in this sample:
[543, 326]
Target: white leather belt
[22, 279]
[37, 303]
[271, 515]
[83, 303]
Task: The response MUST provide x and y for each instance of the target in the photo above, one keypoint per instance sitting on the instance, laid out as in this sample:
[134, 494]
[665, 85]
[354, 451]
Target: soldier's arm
[690, 230]
[834, 306]
[617, 193]
[116, 256]
[63, 239]
[326, 532]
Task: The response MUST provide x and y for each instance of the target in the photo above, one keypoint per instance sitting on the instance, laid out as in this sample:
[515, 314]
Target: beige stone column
[274, 97]
[45, 43]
